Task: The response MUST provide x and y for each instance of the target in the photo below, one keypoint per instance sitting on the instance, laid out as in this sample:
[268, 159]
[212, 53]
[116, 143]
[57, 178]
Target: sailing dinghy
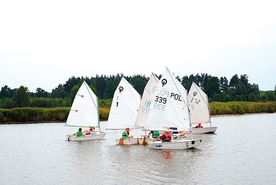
[169, 108]
[144, 107]
[199, 110]
[123, 111]
[84, 113]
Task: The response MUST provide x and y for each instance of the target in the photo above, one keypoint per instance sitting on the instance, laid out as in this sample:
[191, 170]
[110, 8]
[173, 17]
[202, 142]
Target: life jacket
[167, 139]
[79, 134]
[125, 134]
[155, 134]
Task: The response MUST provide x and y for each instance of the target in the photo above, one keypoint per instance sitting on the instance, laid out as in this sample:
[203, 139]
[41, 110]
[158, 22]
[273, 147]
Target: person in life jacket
[199, 126]
[154, 134]
[88, 132]
[125, 134]
[79, 133]
[166, 137]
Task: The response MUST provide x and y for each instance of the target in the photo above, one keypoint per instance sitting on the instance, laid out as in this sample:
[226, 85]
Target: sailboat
[147, 96]
[123, 111]
[84, 113]
[199, 110]
[144, 107]
[169, 108]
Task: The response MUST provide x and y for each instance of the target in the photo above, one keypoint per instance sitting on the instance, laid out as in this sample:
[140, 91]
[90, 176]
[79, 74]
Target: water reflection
[168, 155]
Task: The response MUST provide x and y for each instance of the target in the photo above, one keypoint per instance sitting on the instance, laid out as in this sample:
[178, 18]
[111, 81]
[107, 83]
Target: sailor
[154, 134]
[79, 133]
[199, 126]
[166, 137]
[125, 134]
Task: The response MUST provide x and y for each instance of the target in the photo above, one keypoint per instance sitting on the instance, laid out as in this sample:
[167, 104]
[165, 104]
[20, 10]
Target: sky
[44, 43]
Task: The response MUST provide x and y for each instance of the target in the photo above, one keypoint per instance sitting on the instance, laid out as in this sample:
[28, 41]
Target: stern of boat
[127, 141]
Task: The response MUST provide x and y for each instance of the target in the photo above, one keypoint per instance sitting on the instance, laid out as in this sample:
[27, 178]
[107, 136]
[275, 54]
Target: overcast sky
[44, 43]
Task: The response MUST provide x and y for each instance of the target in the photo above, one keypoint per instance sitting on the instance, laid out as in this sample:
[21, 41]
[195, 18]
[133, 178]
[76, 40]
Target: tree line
[220, 89]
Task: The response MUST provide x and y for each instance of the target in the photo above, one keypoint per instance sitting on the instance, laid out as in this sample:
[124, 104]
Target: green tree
[73, 93]
[226, 98]
[254, 88]
[234, 81]
[139, 82]
[70, 83]
[110, 89]
[212, 86]
[186, 82]
[6, 92]
[244, 79]
[41, 93]
[241, 88]
[275, 92]
[223, 82]
[216, 97]
[263, 97]
[270, 95]
[21, 97]
[59, 92]
[101, 82]
[252, 97]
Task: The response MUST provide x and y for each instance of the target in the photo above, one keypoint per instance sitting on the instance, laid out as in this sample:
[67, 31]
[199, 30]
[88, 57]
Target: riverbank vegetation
[218, 90]
[236, 96]
[36, 115]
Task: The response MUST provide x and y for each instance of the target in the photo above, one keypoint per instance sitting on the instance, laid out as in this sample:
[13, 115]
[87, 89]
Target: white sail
[124, 107]
[146, 101]
[84, 110]
[169, 106]
[198, 105]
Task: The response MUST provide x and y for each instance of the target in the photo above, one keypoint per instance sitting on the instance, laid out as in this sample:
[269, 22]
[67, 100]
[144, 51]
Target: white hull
[204, 130]
[141, 140]
[128, 141]
[175, 145]
[95, 136]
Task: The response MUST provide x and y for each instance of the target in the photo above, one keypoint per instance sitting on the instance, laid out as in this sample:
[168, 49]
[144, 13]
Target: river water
[242, 151]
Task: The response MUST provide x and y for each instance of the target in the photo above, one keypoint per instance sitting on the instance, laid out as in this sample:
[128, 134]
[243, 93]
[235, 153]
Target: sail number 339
[160, 103]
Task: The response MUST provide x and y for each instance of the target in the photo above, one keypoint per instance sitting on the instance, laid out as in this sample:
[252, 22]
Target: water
[243, 151]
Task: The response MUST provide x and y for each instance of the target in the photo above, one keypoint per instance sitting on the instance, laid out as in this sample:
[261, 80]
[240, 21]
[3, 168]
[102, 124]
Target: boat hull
[142, 142]
[94, 136]
[204, 130]
[127, 141]
[175, 145]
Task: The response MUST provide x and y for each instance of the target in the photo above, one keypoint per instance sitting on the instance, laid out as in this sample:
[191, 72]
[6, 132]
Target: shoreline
[63, 122]
[59, 114]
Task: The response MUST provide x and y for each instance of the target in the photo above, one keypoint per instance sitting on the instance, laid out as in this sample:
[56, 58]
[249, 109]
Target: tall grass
[33, 115]
[219, 108]
[36, 115]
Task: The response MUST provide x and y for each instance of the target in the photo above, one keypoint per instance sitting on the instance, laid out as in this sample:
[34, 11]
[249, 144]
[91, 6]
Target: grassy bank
[37, 115]
[219, 108]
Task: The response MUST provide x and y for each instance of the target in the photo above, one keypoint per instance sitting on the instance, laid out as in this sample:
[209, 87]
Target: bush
[104, 112]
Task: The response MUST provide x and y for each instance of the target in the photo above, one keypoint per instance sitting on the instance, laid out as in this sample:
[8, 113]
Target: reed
[104, 112]
[59, 114]
[33, 115]
[219, 108]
